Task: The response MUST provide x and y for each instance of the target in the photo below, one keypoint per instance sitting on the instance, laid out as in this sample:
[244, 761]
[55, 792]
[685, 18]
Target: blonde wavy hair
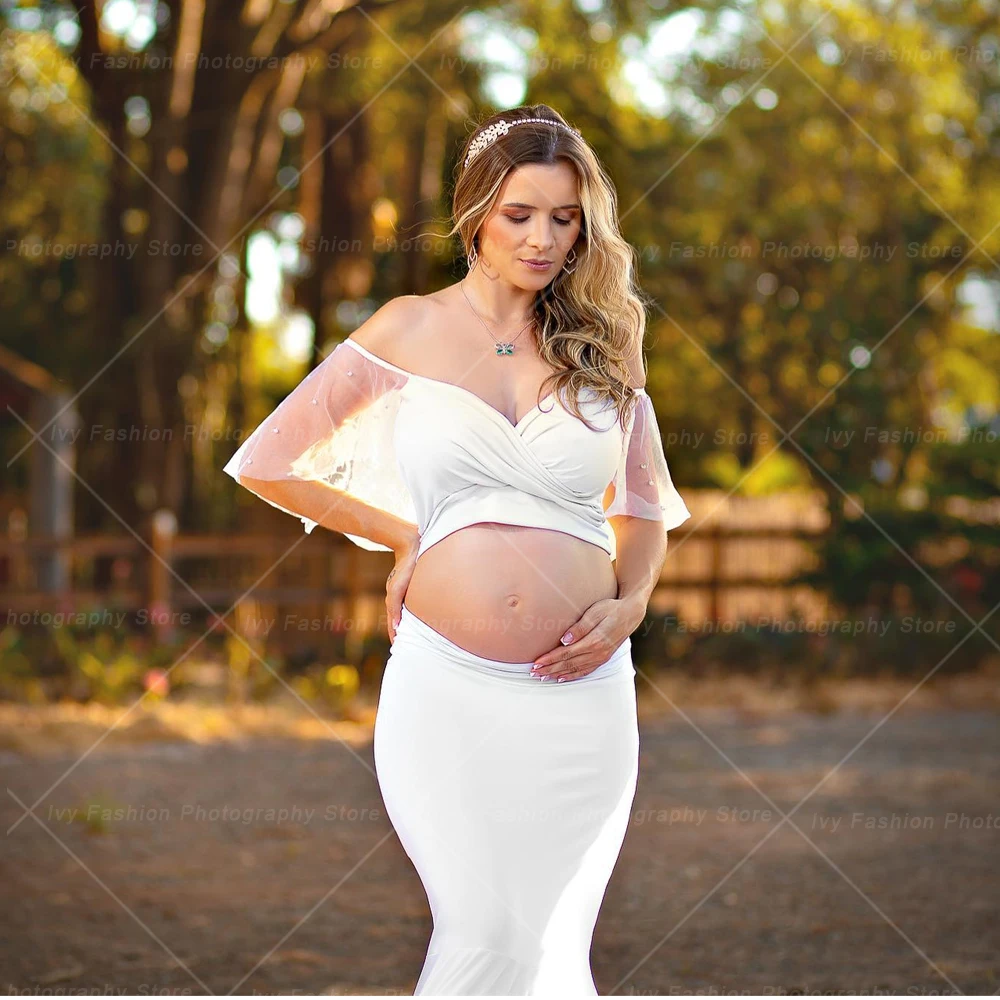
[592, 321]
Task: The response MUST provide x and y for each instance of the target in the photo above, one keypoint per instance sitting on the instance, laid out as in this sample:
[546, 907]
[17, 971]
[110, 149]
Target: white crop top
[437, 455]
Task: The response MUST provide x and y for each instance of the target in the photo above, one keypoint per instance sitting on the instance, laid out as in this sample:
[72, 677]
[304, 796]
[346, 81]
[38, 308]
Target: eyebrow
[521, 204]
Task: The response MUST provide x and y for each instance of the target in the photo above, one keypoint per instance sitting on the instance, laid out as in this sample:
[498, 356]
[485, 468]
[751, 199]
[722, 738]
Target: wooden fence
[732, 560]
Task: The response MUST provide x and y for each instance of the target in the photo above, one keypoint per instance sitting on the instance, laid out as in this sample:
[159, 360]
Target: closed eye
[524, 218]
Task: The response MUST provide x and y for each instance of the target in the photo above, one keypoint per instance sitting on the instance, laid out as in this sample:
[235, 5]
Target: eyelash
[518, 221]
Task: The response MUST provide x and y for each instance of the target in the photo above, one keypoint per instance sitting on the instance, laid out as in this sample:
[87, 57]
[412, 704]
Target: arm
[641, 550]
[335, 510]
[326, 452]
[641, 505]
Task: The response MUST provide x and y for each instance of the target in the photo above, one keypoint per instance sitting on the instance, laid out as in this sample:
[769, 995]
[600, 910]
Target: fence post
[51, 487]
[164, 532]
[715, 572]
[354, 641]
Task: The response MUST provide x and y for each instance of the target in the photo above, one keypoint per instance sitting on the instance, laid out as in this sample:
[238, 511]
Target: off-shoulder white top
[438, 455]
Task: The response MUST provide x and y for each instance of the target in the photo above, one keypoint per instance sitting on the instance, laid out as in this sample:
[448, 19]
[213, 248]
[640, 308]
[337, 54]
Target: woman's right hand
[398, 581]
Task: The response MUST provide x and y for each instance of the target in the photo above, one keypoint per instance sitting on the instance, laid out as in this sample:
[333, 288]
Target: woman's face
[537, 217]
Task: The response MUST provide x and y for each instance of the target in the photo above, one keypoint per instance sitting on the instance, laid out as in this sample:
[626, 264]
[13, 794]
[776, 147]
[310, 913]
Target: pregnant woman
[496, 437]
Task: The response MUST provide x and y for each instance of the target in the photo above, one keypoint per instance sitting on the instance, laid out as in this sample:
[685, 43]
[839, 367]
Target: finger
[580, 670]
[570, 640]
[575, 675]
[560, 660]
[579, 629]
[567, 645]
[561, 653]
[585, 624]
[553, 660]
[571, 662]
[596, 653]
[546, 661]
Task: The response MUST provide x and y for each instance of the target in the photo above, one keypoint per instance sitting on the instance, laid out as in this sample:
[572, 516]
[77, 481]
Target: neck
[498, 301]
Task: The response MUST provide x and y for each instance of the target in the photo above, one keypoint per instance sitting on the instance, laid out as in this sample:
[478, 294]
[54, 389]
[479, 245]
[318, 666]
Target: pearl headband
[490, 135]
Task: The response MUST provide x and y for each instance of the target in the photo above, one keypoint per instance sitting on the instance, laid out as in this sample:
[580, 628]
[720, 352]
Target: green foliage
[336, 685]
[252, 669]
[804, 239]
[341, 683]
[911, 562]
[52, 662]
[57, 662]
[54, 177]
[920, 578]
[749, 647]
[18, 669]
[777, 236]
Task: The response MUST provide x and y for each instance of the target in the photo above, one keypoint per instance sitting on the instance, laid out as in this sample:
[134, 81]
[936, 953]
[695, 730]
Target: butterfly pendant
[505, 348]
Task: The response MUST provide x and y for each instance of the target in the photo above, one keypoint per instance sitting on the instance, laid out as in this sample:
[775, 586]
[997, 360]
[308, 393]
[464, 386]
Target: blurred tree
[809, 223]
[752, 188]
[54, 172]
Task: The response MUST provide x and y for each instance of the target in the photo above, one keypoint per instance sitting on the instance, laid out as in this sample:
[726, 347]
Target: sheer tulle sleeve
[642, 484]
[336, 426]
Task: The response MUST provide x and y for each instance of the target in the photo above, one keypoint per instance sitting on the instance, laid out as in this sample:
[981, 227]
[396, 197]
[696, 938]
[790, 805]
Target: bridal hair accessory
[490, 135]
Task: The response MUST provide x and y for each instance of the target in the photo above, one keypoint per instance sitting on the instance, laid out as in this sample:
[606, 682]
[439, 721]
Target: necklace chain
[502, 347]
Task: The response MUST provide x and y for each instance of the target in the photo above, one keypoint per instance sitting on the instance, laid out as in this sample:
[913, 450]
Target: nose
[541, 237]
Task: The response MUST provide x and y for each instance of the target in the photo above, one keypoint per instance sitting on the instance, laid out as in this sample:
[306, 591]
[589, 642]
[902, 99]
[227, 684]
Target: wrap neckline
[489, 407]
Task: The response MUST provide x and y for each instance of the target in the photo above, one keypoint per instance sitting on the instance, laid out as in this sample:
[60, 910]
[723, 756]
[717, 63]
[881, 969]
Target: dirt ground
[235, 863]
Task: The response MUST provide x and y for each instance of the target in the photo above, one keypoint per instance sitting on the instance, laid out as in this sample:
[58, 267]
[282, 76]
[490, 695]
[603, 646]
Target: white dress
[510, 795]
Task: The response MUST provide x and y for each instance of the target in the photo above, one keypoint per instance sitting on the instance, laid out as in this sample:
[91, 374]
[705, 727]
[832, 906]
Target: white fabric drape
[339, 426]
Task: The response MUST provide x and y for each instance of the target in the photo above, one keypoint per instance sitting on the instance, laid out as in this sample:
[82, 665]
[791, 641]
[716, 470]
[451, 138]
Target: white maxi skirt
[511, 796]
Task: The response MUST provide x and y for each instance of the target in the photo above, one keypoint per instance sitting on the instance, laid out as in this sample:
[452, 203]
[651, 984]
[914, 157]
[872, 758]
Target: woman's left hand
[599, 631]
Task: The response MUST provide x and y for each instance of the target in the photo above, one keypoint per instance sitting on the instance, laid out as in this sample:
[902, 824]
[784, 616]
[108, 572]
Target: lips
[530, 260]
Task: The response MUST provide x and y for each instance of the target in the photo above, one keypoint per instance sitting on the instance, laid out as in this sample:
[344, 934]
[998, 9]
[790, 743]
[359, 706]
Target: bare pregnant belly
[508, 592]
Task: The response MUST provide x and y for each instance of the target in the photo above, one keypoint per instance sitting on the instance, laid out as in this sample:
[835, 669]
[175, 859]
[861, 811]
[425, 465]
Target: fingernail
[567, 638]
[559, 680]
[395, 624]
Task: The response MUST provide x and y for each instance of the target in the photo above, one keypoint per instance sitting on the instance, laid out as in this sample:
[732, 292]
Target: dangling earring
[570, 260]
[472, 258]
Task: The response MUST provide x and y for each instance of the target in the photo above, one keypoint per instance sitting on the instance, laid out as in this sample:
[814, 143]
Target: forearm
[335, 510]
[641, 549]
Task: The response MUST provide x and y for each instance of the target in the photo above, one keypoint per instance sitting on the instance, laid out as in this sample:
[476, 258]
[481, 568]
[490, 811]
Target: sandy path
[271, 867]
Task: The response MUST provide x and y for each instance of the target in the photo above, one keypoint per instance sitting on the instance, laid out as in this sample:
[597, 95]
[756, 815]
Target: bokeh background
[198, 201]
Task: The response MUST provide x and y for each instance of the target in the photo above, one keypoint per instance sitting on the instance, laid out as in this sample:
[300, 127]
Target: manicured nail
[567, 639]
[560, 679]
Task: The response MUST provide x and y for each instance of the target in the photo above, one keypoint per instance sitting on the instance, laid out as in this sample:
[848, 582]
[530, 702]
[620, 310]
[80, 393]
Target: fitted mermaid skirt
[511, 796]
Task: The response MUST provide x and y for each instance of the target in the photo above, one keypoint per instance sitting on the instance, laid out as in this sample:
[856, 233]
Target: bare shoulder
[388, 330]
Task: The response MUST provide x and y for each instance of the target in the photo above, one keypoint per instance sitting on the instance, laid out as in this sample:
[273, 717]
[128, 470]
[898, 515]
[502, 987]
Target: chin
[527, 285]
[532, 282]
